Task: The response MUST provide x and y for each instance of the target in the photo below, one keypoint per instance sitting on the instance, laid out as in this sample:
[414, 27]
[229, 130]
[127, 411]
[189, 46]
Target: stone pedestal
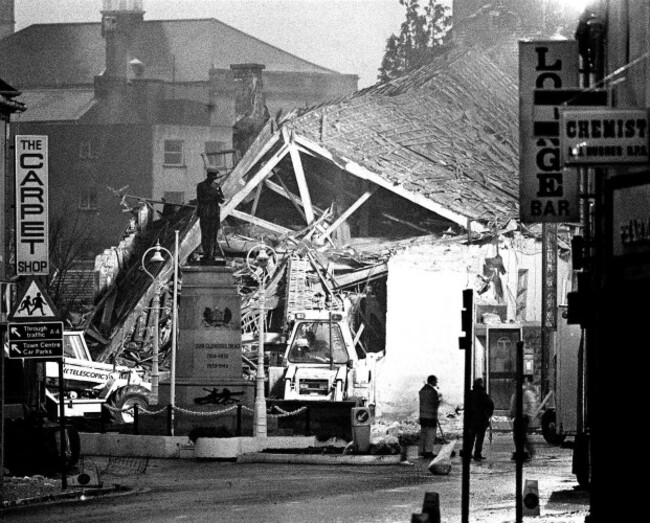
[209, 355]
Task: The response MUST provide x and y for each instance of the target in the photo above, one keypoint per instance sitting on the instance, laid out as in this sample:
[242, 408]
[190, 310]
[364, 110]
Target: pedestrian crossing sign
[35, 304]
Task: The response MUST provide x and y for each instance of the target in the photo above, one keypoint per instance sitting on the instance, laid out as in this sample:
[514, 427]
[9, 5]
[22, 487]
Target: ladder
[300, 295]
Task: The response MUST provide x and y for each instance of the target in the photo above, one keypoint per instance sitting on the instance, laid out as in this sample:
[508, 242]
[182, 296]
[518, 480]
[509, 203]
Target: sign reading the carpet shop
[609, 136]
[31, 205]
[547, 192]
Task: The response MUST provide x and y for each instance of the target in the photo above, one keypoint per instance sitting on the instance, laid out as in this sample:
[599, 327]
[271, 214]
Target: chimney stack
[7, 18]
[251, 112]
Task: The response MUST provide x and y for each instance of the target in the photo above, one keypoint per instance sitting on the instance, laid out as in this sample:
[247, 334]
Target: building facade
[131, 107]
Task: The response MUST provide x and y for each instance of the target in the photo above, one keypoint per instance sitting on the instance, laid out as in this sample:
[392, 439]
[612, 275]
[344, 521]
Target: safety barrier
[138, 411]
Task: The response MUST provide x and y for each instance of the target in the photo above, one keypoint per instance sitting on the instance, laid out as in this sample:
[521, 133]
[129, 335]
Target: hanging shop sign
[604, 137]
[547, 192]
[31, 206]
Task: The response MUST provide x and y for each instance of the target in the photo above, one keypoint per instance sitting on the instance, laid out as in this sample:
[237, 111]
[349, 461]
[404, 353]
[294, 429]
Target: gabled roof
[180, 50]
[444, 135]
[56, 105]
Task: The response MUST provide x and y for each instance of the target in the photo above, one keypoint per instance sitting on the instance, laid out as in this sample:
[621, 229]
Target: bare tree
[68, 284]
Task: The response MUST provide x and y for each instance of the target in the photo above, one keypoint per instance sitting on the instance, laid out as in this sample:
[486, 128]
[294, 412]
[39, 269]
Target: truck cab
[321, 361]
[88, 384]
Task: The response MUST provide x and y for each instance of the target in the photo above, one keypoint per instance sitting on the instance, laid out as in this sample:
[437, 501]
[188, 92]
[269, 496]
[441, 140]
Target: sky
[348, 36]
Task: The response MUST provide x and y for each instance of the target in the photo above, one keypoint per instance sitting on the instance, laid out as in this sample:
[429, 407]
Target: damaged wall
[423, 319]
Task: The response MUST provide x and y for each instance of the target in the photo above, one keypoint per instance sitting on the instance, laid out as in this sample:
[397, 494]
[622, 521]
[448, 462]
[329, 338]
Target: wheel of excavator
[124, 400]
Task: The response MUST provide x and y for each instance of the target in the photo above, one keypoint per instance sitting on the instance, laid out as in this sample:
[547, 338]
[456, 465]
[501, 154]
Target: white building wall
[423, 319]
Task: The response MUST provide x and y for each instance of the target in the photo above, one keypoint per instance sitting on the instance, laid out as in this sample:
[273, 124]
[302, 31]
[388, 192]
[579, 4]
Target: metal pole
[2, 408]
[466, 434]
[172, 387]
[64, 479]
[519, 433]
[156, 334]
[260, 400]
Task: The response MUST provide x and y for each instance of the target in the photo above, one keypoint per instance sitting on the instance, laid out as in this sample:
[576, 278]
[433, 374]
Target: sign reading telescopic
[31, 205]
[547, 192]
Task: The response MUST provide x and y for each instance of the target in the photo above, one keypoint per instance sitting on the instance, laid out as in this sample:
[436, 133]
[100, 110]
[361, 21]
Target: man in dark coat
[209, 198]
[429, 402]
[481, 410]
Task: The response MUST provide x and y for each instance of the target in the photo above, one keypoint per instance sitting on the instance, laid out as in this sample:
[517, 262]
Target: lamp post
[157, 279]
[260, 273]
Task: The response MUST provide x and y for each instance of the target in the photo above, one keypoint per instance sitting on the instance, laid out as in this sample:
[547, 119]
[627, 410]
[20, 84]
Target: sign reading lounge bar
[602, 137]
[547, 194]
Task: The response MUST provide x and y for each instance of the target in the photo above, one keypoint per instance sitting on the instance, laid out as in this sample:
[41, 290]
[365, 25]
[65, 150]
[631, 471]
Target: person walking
[209, 198]
[481, 410]
[429, 401]
[522, 426]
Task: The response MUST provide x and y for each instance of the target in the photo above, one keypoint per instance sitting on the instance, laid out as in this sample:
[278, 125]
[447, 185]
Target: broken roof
[444, 135]
[178, 50]
[56, 105]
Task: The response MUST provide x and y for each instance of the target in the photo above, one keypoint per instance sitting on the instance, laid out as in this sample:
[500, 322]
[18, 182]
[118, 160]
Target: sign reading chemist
[31, 205]
[612, 136]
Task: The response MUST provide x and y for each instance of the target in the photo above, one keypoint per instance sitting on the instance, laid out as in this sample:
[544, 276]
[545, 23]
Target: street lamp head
[157, 256]
[262, 259]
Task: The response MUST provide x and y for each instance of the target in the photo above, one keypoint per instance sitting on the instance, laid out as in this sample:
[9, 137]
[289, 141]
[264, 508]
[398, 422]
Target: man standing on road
[429, 402]
[528, 413]
[481, 410]
[209, 198]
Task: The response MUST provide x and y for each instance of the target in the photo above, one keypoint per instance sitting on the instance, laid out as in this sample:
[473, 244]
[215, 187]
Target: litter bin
[361, 421]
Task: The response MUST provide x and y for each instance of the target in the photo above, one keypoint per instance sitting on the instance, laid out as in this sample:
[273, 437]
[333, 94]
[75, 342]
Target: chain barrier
[142, 410]
[284, 413]
[204, 413]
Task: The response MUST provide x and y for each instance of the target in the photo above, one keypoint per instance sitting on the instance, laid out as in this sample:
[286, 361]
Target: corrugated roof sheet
[54, 105]
[180, 50]
[447, 131]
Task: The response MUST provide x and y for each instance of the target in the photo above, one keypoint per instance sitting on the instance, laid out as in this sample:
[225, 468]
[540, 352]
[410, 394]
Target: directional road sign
[42, 340]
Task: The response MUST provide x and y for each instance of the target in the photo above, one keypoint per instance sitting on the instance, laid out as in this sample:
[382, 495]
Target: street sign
[35, 304]
[42, 340]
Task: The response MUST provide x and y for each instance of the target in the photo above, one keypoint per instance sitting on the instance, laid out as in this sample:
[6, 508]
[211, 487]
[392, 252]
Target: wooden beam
[404, 222]
[349, 211]
[299, 173]
[253, 182]
[260, 222]
[256, 201]
[365, 174]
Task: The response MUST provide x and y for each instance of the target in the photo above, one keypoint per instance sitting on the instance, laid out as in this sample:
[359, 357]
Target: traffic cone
[531, 498]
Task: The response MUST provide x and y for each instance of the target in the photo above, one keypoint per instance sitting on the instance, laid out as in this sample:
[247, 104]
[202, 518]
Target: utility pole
[549, 300]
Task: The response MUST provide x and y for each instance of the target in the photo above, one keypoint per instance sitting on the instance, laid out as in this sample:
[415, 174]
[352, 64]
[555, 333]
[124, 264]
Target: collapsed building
[397, 198]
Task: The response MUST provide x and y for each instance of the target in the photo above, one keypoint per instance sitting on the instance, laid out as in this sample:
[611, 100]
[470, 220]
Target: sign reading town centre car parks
[604, 137]
[42, 340]
[547, 192]
[31, 205]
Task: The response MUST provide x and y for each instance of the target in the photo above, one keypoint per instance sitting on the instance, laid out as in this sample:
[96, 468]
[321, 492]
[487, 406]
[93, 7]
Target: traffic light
[467, 320]
[578, 252]
[579, 302]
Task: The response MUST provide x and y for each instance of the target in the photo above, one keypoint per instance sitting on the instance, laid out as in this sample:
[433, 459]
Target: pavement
[115, 482]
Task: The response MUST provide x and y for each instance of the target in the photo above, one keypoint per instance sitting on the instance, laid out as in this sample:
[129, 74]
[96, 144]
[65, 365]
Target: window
[217, 155]
[73, 347]
[88, 201]
[88, 149]
[312, 344]
[173, 152]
